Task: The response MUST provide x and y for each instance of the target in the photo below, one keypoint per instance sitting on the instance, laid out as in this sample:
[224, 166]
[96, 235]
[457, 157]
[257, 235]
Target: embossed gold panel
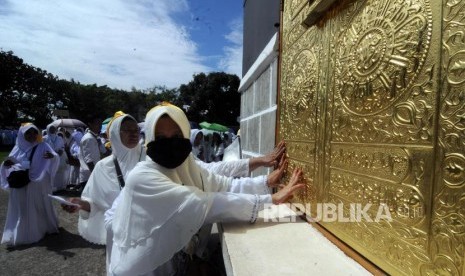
[372, 106]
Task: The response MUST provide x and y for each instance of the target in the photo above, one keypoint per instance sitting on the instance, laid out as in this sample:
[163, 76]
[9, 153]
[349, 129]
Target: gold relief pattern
[383, 242]
[293, 21]
[376, 93]
[299, 93]
[308, 194]
[405, 203]
[301, 86]
[302, 151]
[448, 220]
[407, 122]
[381, 53]
[299, 96]
[454, 170]
[297, 30]
[295, 6]
[398, 246]
[372, 106]
[391, 164]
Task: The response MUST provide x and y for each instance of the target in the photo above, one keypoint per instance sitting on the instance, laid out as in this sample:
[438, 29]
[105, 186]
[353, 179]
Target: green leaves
[31, 94]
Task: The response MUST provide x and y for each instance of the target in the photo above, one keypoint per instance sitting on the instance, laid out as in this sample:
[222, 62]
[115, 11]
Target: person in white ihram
[168, 198]
[30, 212]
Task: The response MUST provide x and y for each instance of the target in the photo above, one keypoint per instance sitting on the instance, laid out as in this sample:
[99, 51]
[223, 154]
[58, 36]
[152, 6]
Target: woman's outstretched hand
[287, 191]
[272, 159]
[83, 205]
[8, 163]
[274, 178]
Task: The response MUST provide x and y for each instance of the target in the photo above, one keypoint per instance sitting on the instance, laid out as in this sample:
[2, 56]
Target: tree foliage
[31, 94]
[212, 98]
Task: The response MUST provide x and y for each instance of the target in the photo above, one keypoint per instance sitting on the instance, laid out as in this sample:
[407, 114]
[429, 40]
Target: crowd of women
[7, 137]
[151, 203]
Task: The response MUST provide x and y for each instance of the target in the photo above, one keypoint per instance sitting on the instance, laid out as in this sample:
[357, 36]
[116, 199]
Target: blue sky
[125, 43]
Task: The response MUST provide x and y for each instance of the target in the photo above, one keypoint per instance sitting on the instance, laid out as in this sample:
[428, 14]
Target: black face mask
[169, 152]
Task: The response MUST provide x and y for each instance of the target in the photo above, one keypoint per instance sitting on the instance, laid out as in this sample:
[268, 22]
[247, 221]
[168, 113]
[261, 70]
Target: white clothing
[100, 191]
[58, 145]
[141, 232]
[233, 168]
[89, 151]
[197, 150]
[30, 212]
[217, 152]
[74, 151]
[103, 187]
[161, 209]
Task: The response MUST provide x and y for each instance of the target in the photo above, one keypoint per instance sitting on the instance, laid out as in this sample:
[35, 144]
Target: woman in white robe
[197, 144]
[161, 208]
[74, 153]
[103, 185]
[217, 147]
[58, 145]
[64, 157]
[30, 213]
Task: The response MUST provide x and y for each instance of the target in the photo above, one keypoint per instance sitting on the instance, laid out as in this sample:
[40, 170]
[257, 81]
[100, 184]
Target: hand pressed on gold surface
[274, 178]
[287, 191]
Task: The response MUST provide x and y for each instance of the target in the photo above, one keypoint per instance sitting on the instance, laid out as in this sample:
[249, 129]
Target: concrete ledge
[280, 248]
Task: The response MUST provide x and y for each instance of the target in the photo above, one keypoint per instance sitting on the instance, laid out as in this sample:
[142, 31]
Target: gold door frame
[372, 106]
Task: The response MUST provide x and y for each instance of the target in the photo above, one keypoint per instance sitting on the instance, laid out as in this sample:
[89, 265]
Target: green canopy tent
[213, 126]
[107, 120]
[105, 124]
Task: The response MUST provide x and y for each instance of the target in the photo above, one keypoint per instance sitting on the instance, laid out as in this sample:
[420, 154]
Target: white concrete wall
[258, 104]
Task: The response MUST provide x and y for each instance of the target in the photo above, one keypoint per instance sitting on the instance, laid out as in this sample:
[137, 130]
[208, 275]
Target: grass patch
[3, 155]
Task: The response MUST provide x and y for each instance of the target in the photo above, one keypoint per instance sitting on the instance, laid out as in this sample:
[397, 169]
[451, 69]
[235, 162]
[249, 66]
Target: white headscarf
[55, 141]
[39, 167]
[194, 133]
[127, 158]
[103, 187]
[196, 149]
[160, 209]
[75, 142]
[22, 144]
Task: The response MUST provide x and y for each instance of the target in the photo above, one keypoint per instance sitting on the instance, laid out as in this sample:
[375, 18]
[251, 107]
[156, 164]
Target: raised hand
[272, 159]
[288, 190]
[274, 178]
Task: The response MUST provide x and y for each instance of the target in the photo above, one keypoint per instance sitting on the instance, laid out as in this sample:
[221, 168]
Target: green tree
[31, 94]
[213, 98]
[26, 92]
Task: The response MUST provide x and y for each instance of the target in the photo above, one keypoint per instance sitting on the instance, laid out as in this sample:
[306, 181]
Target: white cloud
[232, 60]
[119, 43]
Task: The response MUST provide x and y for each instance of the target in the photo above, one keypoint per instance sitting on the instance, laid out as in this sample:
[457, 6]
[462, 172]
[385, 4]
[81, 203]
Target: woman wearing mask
[30, 212]
[104, 185]
[168, 198]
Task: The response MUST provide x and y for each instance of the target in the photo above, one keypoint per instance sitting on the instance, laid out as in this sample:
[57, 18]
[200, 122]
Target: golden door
[372, 106]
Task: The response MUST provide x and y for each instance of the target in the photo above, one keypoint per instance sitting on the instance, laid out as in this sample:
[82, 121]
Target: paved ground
[65, 253]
